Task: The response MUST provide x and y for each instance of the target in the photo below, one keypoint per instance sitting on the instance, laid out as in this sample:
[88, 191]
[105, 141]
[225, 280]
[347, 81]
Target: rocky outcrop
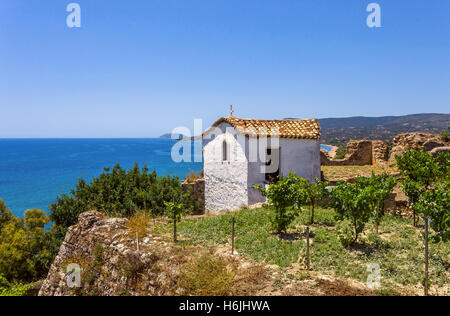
[419, 141]
[436, 151]
[110, 264]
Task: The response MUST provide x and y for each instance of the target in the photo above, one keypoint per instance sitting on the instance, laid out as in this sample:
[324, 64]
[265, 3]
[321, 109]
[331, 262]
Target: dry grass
[192, 177]
[206, 275]
[139, 224]
[251, 280]
[335, 173]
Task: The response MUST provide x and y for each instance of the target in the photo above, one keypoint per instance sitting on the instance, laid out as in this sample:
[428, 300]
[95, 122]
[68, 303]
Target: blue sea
[326, 147]
[34, 171]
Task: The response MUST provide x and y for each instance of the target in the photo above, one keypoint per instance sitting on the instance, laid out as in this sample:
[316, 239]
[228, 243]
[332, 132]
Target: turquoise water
[34, 171]
[326, 147]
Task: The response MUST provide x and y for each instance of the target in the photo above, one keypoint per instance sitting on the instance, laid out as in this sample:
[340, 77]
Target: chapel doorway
[272, 164]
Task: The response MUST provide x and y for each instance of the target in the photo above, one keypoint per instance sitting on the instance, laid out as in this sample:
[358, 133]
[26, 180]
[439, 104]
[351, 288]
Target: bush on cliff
[10, 289]
[27, 249]
[120, 193]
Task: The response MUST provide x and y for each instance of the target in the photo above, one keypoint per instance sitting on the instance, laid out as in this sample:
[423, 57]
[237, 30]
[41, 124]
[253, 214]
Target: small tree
[311, 193]
[353, 203]
[420, 170]
[411, 190]
[174, 211]
[435, 204]
[430, 177]
[281, 196]
[434, 207]
[377, 189]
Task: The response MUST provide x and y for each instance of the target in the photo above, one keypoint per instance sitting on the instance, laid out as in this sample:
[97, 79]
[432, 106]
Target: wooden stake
[137, 241]
[426, 255]
[232, 235]
[308, 259]
[174, 227]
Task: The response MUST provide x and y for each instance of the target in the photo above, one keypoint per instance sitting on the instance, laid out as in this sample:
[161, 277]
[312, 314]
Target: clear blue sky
[140, 68]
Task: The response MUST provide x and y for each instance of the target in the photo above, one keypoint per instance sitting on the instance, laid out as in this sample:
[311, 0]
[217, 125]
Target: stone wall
[380, 153]
[419, 141]
[359, 153]
[376, 152]
[197, 189]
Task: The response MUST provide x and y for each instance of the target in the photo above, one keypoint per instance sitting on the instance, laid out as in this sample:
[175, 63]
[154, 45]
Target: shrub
[345, 232]
[311, 193]
[426, 182]
[117, 192]
[27, 249]
[435, 206]
[10, 289]
[377, 189]
[206, 276]
[444, 136]
[131, 267]
[281, 196]
[353, 203]
[139, 223]
[431, 178]
[341, 152]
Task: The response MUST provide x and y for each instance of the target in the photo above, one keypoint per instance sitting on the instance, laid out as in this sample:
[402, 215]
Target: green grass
[399, 251]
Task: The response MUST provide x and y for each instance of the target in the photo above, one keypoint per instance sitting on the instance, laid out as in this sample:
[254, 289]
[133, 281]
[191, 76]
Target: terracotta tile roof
[289, 128]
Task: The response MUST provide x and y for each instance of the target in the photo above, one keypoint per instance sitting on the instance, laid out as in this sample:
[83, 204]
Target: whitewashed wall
[228, 185]
[299, 156]
[225, 181]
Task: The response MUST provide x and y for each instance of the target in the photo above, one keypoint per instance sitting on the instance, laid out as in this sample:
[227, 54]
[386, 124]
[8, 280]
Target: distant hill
[169, 136]
[338, 131]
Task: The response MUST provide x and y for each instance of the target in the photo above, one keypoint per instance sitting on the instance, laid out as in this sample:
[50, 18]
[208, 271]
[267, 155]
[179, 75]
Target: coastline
[332, 152]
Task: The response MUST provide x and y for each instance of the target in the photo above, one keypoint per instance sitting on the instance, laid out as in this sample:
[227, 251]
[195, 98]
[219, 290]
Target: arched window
[224, 151]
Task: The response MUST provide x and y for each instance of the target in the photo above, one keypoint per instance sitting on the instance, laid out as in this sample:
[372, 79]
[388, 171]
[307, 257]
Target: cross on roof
[231, 110]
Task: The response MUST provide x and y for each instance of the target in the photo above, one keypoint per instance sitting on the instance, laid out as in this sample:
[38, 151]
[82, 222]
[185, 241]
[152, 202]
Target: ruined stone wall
[376, 152]
[419, 141]
[359, 153]
[380, 153]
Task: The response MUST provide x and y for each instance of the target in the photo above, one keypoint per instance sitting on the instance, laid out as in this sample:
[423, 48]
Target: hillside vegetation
[398, 249]
[338, 131]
